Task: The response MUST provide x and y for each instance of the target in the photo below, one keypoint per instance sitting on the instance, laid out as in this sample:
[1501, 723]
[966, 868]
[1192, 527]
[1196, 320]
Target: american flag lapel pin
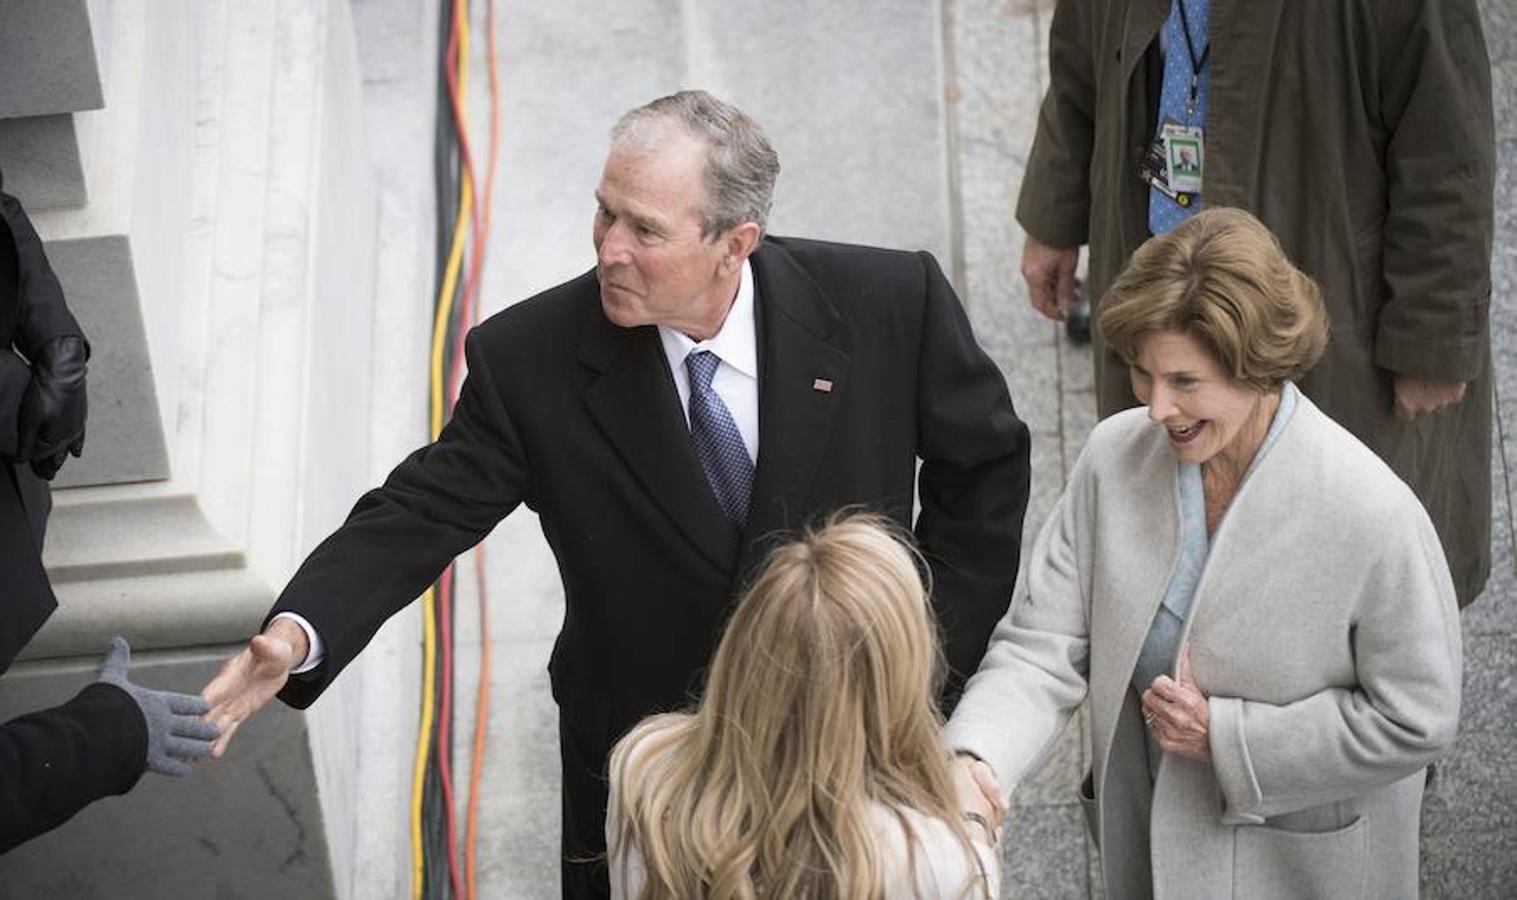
[822, 384]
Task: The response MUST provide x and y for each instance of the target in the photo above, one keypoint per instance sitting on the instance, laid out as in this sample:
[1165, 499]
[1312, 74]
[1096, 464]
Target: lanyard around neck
[1196, 65]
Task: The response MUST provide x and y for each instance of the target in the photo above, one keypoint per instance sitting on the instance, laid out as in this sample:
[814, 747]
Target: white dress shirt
[736, 379]
[736, 382]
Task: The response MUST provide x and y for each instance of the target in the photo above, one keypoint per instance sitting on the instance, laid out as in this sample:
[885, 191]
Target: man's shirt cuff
[315, 652]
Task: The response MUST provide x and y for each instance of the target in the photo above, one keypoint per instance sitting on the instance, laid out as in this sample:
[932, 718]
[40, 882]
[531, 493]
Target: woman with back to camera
[813, 767]
[1258, 608]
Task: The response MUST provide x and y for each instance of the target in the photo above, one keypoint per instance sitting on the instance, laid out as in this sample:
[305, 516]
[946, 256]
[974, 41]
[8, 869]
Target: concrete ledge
[40, 158]
[113, 538]
[184, 609]
[47, 59]
[141, 560]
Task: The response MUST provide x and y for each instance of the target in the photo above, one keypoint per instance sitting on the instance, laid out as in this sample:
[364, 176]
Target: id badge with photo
[1184, 155]
[1153, 171]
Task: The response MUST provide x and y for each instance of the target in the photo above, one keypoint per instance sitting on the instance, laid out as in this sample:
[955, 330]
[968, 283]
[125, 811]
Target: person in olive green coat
[1362, 134]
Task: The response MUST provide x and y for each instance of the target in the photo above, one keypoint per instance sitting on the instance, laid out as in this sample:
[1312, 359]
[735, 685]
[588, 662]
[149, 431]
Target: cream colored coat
[1324, 631]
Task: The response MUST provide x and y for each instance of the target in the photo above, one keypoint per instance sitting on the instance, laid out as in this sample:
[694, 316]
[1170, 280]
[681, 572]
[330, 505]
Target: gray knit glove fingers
[177, 755]
[176, 733]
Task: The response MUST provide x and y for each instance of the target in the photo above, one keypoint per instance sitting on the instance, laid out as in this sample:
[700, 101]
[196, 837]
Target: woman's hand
[980, 796]
[1178, 713]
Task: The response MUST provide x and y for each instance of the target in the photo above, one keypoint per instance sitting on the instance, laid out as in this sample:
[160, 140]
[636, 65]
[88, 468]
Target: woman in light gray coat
[1258, 608]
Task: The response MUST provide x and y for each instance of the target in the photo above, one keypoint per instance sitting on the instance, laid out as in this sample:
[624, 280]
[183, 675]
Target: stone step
[99, 278]
[41, 160]
[47, 58]
[143, 561]
[163, 611]
[110, 538]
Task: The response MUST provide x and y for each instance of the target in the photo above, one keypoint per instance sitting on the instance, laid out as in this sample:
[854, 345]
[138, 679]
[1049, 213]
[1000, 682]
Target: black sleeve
[973, 482]
[1440, 170]
[14, 377]
[55, 762]
[439, 502]
[41, 314]
[1053, 203]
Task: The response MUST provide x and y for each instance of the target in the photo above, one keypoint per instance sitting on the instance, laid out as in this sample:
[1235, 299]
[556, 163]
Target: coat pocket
[1089, 806]
[1274, 863]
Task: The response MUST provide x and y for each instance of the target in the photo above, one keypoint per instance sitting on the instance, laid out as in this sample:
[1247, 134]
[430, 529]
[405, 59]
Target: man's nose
[611, 246]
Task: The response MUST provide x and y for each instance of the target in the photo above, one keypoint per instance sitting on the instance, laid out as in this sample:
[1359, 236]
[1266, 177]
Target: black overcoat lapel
[803, 373]
[633, 401]
[1142, 26]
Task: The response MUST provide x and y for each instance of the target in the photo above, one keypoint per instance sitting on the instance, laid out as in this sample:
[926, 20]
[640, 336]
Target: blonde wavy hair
[1221, 277]
[819, 704]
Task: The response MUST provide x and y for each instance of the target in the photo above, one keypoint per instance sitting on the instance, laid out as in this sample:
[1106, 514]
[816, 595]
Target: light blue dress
[1161, 648]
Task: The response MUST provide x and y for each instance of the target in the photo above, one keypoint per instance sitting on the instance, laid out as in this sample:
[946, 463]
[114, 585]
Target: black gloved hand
[55, 405]
[177, 735]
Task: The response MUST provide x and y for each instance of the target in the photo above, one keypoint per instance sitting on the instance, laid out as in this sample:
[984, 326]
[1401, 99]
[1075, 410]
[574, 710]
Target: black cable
[434, 840]
[444, 153]
[445, 173]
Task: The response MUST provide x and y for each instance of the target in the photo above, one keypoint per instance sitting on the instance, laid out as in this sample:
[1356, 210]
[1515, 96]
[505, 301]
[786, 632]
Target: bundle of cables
[463, 230]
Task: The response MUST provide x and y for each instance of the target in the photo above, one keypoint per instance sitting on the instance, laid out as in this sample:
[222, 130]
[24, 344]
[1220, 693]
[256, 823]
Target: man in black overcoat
[660, 485]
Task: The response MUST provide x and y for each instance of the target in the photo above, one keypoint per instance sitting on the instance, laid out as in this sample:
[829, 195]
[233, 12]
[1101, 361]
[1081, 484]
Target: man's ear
[738, 243]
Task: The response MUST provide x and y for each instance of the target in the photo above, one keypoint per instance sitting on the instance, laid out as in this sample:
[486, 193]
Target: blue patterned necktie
[1180, 57]
[718, 444]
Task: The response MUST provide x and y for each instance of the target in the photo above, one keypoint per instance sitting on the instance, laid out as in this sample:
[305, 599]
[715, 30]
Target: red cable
[471, 290]
[481, 720]
[484, 207]
[453, 62]
[481, 216]
[457, 102]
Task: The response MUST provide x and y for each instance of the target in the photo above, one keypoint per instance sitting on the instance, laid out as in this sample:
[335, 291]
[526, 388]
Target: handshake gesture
[981, 798]
[177, 736]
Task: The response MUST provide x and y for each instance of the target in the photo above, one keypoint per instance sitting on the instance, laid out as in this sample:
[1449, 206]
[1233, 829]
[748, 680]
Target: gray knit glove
[176, 733]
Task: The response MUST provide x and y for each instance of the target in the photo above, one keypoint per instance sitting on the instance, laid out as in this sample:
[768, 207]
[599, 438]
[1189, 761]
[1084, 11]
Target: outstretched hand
[247, 680]
[177, 736]
[1179, 713]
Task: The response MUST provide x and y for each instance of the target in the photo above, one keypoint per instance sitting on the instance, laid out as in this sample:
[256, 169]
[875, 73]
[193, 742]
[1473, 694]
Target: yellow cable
[445, 304]
[455, 253]
[429, 637]
[439, 337]
[418, 777]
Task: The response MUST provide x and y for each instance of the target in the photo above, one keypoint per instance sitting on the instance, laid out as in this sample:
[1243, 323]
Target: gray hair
[741, 166]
